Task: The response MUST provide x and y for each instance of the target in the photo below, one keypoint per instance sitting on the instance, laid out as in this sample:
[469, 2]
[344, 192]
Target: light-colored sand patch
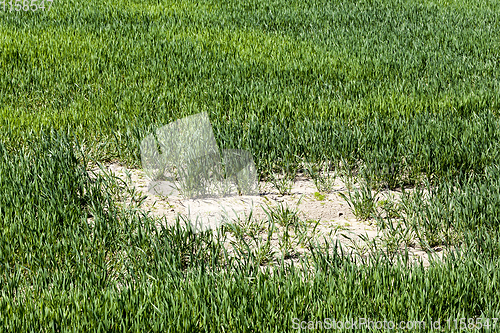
[327, 214]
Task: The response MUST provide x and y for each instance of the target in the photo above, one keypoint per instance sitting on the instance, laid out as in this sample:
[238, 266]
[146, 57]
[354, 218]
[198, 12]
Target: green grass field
[397, 93]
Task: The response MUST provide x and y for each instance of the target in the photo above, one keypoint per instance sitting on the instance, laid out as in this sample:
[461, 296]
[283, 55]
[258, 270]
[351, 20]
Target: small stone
[340, 214]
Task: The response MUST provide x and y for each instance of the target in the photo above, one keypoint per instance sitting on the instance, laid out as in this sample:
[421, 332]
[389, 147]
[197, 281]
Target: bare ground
[320, 215]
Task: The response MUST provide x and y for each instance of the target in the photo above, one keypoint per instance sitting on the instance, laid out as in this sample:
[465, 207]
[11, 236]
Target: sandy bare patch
[327, 214]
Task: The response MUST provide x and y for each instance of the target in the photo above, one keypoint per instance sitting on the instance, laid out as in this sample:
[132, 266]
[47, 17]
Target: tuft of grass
[321, 174]
[363, 202]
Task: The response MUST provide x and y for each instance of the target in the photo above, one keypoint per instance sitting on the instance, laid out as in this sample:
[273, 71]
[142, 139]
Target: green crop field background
[363, 84]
